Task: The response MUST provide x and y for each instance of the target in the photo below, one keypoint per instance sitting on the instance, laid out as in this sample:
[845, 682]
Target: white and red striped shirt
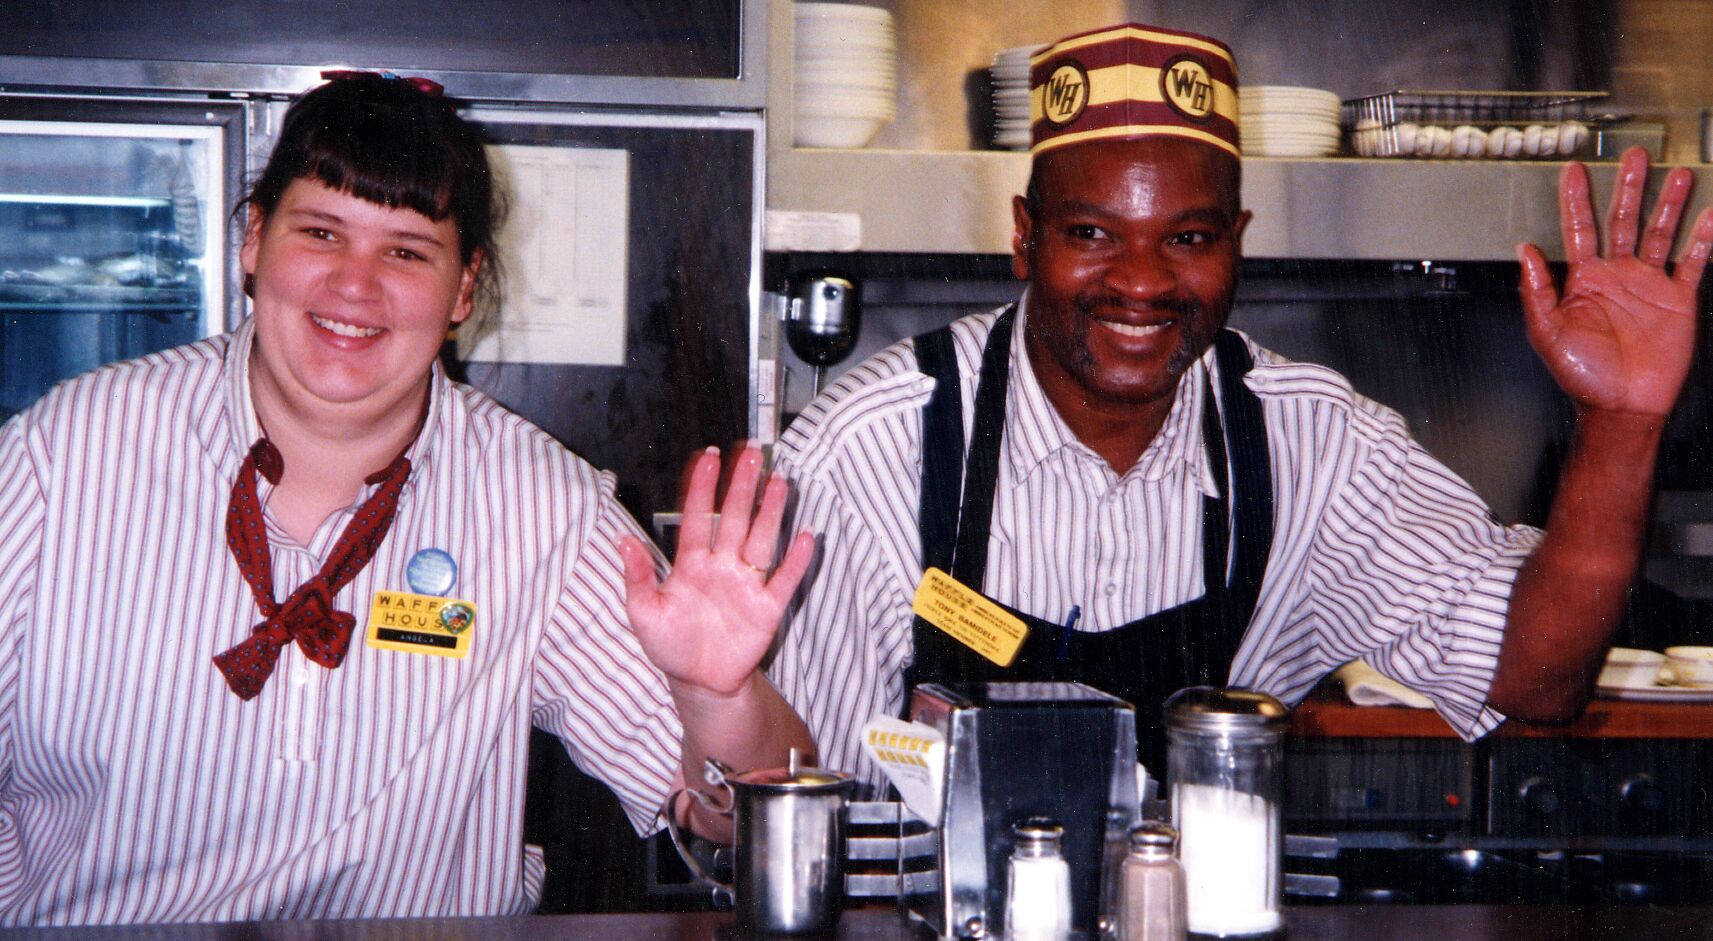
[1379, 551]
[134, 787]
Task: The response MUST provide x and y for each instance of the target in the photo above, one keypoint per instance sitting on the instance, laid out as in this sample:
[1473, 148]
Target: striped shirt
[1379, 551]
[135, 787]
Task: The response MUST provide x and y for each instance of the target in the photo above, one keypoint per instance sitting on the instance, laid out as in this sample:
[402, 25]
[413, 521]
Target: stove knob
[1641, 794]
[1539, 796]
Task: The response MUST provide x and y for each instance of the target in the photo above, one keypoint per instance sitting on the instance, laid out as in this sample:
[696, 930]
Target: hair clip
[424, 85]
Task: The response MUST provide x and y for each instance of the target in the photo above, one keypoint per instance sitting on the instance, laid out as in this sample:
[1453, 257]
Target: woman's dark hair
[389, 141]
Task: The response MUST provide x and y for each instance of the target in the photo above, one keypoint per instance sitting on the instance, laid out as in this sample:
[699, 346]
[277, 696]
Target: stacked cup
[846, 74]
[1288, 121]
[1010, 75]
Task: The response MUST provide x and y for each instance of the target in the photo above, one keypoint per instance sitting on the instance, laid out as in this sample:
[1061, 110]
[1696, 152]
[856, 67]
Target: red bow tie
[323, 634]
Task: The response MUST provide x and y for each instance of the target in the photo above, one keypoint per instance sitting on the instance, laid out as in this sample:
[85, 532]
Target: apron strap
[1252, 480]
[942, 449]
[969, 565]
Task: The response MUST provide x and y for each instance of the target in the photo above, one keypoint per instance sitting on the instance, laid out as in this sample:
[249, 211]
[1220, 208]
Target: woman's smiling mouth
[344, 329]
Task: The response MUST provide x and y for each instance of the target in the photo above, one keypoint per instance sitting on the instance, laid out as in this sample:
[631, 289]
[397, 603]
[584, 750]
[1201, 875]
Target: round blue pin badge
[431, 572]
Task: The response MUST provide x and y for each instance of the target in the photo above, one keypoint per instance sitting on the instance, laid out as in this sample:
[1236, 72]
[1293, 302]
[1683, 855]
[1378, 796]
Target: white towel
[1367, 686]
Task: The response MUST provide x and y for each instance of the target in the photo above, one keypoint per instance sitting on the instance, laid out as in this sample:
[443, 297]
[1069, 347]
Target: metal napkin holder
[1013, 750]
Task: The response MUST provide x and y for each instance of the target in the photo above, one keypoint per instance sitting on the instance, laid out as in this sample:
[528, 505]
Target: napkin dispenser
[1017, 750]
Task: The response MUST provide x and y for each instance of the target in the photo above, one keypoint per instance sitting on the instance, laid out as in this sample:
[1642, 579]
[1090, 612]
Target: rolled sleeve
[1414, 575]
[594, 686]
[841, 659]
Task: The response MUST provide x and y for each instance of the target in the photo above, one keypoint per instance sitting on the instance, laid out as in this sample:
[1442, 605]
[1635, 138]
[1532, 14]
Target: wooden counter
[1334, 718]
[1351, 923]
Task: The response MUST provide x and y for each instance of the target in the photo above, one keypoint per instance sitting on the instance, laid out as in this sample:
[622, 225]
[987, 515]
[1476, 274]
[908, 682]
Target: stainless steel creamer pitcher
[789, 825]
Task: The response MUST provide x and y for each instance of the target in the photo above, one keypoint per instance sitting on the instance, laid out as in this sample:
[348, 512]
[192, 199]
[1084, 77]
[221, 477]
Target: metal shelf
[959, 202]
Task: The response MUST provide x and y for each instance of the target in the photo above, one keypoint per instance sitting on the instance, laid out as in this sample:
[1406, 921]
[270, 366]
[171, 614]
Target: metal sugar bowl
[1226, 772]
[789, 861]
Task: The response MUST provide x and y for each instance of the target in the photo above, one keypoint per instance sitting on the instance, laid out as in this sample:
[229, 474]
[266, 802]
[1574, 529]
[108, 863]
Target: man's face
[1131, 254]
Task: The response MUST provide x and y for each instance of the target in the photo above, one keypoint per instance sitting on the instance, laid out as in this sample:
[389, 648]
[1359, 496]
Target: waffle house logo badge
[1186, 85]
[1065, 95]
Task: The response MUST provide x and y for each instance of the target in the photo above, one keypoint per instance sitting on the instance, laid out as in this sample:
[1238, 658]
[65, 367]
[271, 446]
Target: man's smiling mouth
[1133, 330]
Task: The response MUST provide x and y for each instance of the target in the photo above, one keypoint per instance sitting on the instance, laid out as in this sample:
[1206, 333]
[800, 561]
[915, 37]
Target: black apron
[1142, 662]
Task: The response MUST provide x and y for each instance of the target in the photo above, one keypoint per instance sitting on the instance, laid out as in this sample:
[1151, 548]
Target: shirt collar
[246, 428]
[1035, 432]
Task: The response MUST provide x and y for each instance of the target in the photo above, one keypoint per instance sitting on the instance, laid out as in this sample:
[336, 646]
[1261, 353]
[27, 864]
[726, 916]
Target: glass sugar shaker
[1153, 903]
[1038, 883]
[1225, 757]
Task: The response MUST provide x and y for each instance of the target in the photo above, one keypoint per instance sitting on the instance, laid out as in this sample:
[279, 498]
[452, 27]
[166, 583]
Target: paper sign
[913, 756]
[563, 251]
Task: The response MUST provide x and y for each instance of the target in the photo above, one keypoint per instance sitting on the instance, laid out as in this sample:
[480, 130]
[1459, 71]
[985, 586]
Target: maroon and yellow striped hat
[1133, 81]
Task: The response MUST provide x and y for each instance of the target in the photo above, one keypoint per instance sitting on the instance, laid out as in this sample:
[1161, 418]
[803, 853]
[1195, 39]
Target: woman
[393, 576]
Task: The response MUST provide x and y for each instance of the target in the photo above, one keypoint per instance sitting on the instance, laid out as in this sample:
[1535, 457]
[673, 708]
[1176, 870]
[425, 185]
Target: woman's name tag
[431, 624]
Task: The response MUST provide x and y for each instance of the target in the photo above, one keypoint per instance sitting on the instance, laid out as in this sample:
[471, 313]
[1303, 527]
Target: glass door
[113, 234]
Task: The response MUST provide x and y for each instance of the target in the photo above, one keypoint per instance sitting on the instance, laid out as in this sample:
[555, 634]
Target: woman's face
[352, 300]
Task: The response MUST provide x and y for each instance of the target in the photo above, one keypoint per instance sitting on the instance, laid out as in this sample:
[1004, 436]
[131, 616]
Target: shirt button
[300, 677]
[1111, 589]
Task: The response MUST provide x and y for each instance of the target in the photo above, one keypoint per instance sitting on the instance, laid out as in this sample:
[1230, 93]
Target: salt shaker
[1152, 907]
[1038, 884]
[1225, 757]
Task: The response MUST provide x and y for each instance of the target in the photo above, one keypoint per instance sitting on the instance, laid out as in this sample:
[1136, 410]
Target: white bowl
[856, 61]
[1291, 151]
[1689, 666]
[1288, 93]
[855, 94]
[846, 108]
[839, 35]
[825, 130]
[840, 11]
[841, 52]
[1290, 124]
[1247, 131]
[846, 78]
[1629, 668]
[814, 47]
[805, 27]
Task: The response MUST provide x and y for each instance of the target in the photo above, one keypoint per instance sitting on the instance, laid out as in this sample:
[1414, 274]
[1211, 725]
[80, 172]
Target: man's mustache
[1181, 308]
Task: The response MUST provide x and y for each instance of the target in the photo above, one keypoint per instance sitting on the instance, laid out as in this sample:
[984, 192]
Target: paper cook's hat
[1133, 81]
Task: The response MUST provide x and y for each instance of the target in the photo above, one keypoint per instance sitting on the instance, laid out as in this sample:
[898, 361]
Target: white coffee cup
[1629, 668]
[1689, 666]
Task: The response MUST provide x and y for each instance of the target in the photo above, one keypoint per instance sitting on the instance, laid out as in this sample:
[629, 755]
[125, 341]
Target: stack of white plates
[1287, 121]
[846, 76]
[1010, 73]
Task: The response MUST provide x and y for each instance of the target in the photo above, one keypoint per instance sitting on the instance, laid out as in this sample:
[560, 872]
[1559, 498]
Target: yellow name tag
[971, 619]
[399, 620]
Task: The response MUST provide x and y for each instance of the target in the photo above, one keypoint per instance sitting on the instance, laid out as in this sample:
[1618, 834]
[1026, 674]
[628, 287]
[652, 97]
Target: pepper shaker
[1153, 904]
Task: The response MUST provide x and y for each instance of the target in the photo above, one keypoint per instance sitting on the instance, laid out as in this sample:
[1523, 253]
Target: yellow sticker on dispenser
[970, 618]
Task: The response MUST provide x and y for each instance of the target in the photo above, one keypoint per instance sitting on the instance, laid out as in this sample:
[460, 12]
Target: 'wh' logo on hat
[1187, 87]
[1065, 95]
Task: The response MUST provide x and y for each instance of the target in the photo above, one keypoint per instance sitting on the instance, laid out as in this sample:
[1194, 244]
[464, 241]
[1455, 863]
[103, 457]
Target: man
[1163, 503]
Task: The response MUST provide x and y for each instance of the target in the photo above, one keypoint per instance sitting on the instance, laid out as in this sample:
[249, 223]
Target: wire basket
[1471, 124]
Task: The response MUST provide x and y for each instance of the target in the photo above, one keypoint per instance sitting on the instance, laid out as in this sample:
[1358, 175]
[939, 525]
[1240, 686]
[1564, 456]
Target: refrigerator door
[113, 231]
